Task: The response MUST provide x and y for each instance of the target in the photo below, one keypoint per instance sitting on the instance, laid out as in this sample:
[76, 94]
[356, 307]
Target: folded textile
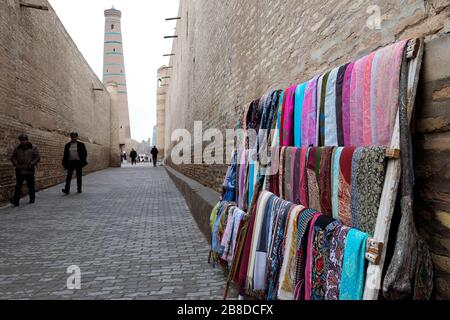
[354, 266]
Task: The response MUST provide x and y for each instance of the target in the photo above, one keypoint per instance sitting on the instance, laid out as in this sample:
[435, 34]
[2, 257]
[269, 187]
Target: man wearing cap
[75, 156]
[25, 158]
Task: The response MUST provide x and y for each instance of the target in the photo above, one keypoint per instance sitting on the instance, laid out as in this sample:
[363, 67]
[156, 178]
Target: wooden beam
[176, 18]
[393, 153]
[170, 37]
[33, 6]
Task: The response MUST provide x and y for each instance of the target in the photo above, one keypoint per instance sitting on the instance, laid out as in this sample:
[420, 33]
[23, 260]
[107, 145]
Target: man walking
[133, 156]
[155, 153]
[75, 156]
[25, 158]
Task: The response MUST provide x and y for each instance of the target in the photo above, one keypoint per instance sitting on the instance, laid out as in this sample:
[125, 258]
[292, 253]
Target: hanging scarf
[313, 187]
[286, 288]
[298, 114]
[230, 180]
[262, 247]
[309, 118]
[320, 255]
[346, 95]
[354, 266]
[356, 103]
[368, 173]
[282, 171]
[259, 214]
[287, 128]
[335, 261]
[304, 224]
[238, 217]
[322, 90]
[309, 258]
[340, 80]
[276, 253]
[345, 178]
[275, 171]
[325, 180]
[330, 121]
[335, 181]
[367, 116]
[242, 179]
[386, 91]
[225, 245]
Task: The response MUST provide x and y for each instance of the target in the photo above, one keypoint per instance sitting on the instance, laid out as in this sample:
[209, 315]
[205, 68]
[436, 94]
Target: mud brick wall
[230, 52]
[46, 91]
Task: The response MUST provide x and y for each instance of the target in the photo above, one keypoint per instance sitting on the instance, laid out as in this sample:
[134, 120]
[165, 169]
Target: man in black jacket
[25, 158]
[75, 156]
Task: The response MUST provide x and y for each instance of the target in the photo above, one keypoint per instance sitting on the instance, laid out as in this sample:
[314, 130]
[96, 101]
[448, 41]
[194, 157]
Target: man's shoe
[14, 203]
[79, 191]
[65, 191]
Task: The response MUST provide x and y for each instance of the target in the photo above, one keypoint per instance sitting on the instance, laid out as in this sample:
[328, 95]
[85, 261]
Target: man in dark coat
[133, 156]
[75, 159]
[25, 158]
[155, 156]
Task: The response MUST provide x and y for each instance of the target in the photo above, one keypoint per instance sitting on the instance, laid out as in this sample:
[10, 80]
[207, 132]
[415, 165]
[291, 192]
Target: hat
[23, 137]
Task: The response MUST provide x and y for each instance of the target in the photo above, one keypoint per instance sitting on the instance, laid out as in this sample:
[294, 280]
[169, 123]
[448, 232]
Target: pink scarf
[356, 102]
[288, 117]
[309, 116]
[346, 104]
[367, 127]
[303, 179]
[386, 92]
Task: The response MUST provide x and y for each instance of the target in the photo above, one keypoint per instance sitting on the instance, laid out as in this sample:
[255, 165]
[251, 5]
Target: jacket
[82, 154]
[25, 158]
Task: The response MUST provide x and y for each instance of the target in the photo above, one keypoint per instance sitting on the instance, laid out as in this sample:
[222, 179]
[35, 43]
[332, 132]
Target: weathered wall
[46, 90]
[231, 52]
[161, 93]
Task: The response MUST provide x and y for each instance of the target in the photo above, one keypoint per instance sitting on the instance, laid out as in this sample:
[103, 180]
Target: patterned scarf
[368, 173]
[303, 228]
[345, 175]
[313, 187]
[320, 256]
[325, 180]
[335, 261]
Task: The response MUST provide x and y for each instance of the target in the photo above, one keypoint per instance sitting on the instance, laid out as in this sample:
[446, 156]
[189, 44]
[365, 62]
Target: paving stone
[130, 233]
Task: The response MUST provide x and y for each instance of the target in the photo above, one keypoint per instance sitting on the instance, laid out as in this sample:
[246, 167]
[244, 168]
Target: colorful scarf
[298, 114]
[313, 187]
[354, 266]
[286, 288]
[259, 214]
[335, 171]
[387, 90]
[325, 180]
[287, 127]
[323, 230]
[345, 178]
[335, 261]
[309, 118]
[330, 121]
[309, 258]
[340, 80]
[243, 171]
[276, 253]
[230, 180]
[346, 97]
[304, 223]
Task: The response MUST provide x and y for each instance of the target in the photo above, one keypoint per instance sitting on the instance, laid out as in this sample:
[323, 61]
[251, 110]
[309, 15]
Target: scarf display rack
[397, 154]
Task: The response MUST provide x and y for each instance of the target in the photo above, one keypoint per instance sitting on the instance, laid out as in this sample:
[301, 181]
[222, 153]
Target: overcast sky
[143, 29]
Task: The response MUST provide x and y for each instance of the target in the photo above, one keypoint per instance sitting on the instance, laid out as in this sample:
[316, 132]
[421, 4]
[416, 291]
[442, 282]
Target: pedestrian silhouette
[25, 159]
[75, 159]
[133, 156]
[155, 153]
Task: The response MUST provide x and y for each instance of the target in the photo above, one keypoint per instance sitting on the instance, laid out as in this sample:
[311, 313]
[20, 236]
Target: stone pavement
[130, 233]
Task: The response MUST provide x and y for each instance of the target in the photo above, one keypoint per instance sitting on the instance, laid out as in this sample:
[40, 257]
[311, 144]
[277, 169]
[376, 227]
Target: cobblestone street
[130, 233]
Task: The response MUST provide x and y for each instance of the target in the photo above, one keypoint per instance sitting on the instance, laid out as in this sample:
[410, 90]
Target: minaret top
[113, 13]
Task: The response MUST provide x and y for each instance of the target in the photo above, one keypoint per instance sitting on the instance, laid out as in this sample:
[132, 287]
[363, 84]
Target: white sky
[143, 31]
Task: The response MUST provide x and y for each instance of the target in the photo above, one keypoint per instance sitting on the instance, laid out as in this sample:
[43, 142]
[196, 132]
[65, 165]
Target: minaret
[114, 73]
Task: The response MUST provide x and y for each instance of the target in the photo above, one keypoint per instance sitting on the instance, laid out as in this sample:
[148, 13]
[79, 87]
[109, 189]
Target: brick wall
[231, 52]
[46, 90]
